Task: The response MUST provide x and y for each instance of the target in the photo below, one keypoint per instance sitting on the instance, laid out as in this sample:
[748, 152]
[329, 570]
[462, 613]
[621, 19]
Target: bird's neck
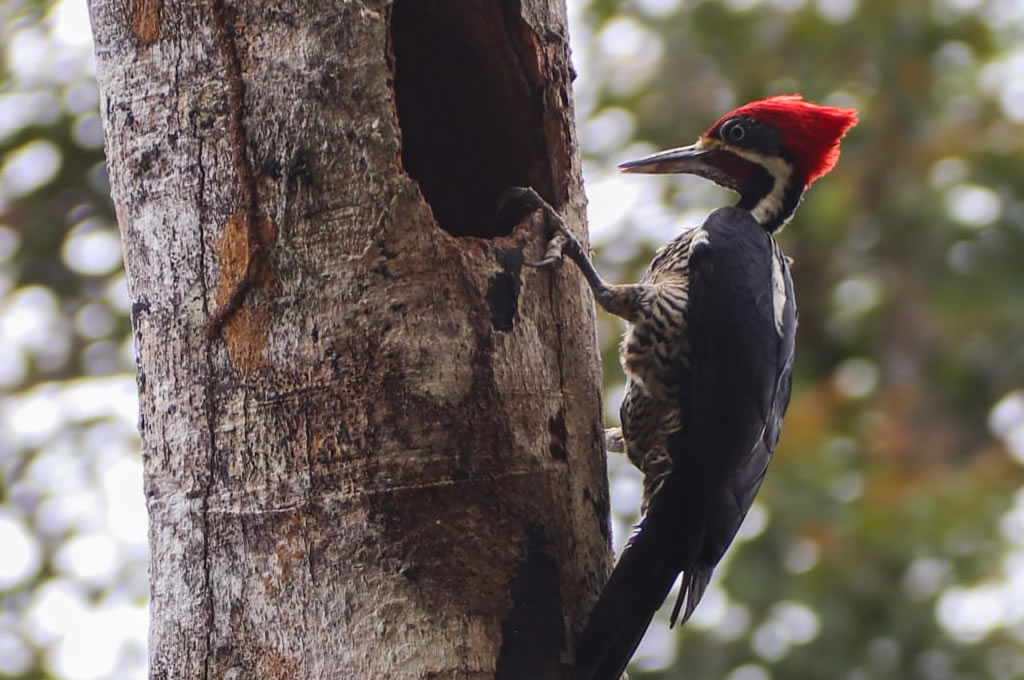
[773, 194]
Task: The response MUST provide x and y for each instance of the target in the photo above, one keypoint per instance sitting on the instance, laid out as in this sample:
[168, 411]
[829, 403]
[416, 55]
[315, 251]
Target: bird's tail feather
[695, 582]
[638, 585]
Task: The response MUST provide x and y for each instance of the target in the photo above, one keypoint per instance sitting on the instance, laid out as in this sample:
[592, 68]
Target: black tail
[637, 587]
[695, 582]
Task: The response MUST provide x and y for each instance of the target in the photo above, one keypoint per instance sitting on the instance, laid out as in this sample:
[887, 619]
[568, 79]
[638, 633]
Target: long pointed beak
[686, 159]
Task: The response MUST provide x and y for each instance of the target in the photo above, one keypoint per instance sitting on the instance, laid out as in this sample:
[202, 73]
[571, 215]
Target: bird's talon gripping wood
[516, 203]
[613, 442]
[708, 359]
[553, 254]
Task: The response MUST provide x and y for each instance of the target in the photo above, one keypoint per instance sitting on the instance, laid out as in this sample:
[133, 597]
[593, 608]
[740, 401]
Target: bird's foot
[516, 203]
[553, 254]
[614, 442]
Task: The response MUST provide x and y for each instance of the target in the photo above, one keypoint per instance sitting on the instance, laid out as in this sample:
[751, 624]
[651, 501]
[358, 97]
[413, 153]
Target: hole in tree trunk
[470, 107]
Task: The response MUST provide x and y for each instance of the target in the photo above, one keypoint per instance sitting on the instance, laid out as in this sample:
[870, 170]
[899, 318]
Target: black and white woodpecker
[708, 358]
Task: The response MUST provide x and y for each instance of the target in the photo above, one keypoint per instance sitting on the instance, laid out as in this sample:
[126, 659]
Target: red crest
[810, 132]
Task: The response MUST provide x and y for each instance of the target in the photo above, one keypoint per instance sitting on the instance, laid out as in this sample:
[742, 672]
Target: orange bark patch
[290, 554]
[146, 20]
[246, 332]
[273, 665]
[290, 550]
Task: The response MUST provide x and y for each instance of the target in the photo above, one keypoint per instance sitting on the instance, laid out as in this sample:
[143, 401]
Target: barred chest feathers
[651, 349]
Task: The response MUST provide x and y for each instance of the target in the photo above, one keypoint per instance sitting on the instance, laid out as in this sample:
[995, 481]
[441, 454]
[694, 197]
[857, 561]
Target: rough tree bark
[371, 437]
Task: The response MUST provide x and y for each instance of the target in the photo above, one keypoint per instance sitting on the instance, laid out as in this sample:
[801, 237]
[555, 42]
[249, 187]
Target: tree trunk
[372, 438]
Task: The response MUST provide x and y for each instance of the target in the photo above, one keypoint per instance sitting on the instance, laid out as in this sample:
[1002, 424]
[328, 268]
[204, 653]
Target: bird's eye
[734, 131]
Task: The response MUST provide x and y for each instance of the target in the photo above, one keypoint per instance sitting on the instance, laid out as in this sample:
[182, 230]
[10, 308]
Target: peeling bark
[372, 438]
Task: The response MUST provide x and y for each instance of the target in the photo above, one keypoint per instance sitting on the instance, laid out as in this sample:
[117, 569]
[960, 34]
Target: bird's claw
[614, 441]
[553, 254]
[516, 203]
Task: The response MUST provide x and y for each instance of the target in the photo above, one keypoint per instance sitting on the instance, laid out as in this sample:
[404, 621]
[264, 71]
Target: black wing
[741, 324]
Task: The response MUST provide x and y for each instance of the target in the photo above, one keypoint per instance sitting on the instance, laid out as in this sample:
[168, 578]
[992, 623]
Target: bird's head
[769, 151]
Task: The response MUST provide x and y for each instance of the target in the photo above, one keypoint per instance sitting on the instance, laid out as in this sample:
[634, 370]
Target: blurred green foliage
[888, 540]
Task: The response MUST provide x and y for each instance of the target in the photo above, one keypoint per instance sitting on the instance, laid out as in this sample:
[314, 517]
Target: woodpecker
[708, 358]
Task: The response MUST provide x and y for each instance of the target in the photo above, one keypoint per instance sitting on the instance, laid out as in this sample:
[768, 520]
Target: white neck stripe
[781, 172]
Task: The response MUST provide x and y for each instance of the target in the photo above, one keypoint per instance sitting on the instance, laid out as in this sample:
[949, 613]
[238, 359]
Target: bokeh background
[888, 539]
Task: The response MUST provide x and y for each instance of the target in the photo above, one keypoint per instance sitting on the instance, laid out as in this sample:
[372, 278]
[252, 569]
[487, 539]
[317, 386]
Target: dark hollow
[471, 123]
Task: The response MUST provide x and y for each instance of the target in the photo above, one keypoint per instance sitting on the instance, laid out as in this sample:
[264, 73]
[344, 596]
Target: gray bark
[372, 438]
